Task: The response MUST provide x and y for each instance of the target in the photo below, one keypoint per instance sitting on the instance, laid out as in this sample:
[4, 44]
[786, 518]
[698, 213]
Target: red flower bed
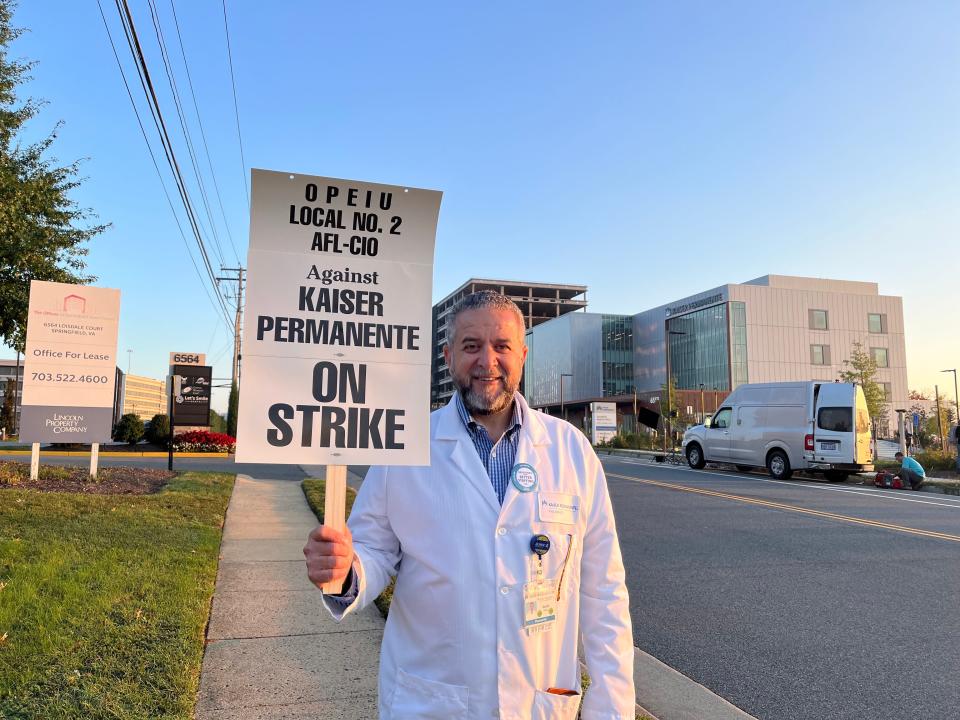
[204, 441]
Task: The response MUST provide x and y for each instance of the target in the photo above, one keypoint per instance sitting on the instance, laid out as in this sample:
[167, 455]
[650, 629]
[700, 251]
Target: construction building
[539, 302]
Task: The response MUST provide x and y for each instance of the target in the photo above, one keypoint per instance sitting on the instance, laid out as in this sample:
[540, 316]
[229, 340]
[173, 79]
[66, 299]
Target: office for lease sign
[70, 360]
[337, 322]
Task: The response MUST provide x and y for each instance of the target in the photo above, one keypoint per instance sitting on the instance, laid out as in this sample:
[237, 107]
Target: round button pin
[524, 477]
[540, 544]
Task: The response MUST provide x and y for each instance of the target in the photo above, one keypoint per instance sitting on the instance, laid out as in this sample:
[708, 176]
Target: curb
[668, 694]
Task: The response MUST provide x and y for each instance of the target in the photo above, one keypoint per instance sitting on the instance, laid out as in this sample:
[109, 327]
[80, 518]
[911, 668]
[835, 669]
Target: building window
[617, 344]
[877, 323]
[880, 357]
[887, 391]
[818, 320]
[699, 350]
[738, 343]
[819, 354]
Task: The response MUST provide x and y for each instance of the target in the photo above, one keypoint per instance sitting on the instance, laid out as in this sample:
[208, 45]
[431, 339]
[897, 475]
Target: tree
[159, 432]
[932, 429]
[129, 429]
[218, 423]
[42, 231]
[232, 406]
[863, 371]
[8, 415]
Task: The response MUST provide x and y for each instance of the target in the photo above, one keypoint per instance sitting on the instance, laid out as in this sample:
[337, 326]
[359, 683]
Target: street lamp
[701, 403]
[668, 429]
[563, 412]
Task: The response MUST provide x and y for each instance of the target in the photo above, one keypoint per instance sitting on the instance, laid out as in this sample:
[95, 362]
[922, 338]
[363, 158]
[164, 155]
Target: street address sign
[181, 358]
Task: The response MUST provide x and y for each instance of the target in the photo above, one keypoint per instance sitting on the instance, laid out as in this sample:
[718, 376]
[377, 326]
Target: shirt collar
[471, 424]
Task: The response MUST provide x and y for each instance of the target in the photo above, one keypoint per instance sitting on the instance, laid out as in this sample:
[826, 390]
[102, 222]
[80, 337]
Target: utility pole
[235, 371]
[943, 440]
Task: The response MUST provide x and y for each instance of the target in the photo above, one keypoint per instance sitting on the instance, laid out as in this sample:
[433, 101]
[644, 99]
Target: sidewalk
[272, 650]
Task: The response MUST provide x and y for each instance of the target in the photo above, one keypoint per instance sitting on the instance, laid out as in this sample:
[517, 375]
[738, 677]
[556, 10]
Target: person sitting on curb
[911, 471]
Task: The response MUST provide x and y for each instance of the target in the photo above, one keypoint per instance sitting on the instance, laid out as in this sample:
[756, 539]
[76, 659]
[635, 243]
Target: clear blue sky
[647, 150]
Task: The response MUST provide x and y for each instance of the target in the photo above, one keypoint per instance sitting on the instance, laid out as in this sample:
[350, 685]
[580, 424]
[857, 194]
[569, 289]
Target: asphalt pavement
[794, 599]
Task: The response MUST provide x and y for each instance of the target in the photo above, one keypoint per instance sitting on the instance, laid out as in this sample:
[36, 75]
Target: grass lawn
[104, 599]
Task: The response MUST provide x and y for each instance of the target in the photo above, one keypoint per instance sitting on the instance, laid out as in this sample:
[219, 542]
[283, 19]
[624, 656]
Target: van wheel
[744, 468]
[836, 476]
[778, 465]
[695, 456]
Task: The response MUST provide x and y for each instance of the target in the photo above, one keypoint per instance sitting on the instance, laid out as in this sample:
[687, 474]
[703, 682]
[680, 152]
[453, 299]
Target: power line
[146, 82]
[236, 111]
[171, 81]
[156, 167]
[203, 135]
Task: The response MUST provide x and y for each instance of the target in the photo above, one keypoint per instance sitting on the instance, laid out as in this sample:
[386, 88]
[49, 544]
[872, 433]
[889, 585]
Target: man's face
[486, 358]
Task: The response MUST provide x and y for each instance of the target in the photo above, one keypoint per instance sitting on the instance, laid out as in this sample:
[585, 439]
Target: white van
[787, 426]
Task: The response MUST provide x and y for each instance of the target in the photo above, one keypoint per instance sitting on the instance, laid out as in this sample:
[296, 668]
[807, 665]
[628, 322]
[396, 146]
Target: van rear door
[864, 452]
[834, 436]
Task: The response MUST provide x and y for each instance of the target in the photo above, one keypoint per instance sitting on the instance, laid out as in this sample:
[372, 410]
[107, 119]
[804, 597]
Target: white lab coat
[454, 647]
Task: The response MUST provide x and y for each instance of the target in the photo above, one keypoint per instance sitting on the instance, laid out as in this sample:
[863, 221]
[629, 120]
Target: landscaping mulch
[76, 479]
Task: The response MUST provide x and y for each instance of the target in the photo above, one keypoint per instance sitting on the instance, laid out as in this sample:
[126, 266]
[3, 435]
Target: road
[794, 599]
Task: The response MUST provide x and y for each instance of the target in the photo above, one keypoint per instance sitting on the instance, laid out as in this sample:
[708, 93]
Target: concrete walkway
[272, 650]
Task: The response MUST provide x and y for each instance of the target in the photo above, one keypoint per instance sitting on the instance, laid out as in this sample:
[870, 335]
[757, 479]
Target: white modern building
[773, 328]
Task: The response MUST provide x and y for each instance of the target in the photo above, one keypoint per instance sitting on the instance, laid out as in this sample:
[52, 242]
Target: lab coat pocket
[416, 698]
[549, 706]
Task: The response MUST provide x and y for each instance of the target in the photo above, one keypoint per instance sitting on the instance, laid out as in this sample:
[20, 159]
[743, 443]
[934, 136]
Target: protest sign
[337, 322]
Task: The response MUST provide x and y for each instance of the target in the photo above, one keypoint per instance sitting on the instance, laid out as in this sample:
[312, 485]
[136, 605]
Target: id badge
[539, 605]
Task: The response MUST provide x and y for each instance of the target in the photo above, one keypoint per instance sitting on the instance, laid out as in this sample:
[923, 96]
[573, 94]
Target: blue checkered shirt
[497, 458]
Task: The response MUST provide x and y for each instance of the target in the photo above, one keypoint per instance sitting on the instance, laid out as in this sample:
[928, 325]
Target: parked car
[818, 426]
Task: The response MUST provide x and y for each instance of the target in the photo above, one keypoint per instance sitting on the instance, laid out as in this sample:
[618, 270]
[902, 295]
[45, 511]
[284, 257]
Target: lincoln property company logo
[64, 424]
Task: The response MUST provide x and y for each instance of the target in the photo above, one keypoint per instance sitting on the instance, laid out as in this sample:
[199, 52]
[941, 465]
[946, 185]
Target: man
[910, 471]
[505, 551]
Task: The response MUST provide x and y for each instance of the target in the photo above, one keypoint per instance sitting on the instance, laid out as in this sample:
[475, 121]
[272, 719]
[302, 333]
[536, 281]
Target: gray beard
[477, 405]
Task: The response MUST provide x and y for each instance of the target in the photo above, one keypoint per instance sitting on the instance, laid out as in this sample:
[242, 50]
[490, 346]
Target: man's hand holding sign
[329, 554]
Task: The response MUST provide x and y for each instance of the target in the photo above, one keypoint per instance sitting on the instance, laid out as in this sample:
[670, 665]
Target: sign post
[337, 337]
[189, 396]
[174, 380]
[69, 367]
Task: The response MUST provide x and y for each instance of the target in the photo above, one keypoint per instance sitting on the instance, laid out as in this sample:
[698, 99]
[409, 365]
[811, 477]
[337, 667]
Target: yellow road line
[793, 508]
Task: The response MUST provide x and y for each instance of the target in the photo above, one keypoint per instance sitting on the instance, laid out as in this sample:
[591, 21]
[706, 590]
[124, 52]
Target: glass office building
[590, 354]
[775, 328]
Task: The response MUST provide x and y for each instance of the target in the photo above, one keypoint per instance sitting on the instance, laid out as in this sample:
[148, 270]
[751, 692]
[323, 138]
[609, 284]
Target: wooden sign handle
[335, 506]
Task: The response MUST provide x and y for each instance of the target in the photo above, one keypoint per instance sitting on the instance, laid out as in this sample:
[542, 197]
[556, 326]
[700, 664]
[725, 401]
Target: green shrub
[159, 431]
[937, 460]
[930, 460]
[129, 429]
